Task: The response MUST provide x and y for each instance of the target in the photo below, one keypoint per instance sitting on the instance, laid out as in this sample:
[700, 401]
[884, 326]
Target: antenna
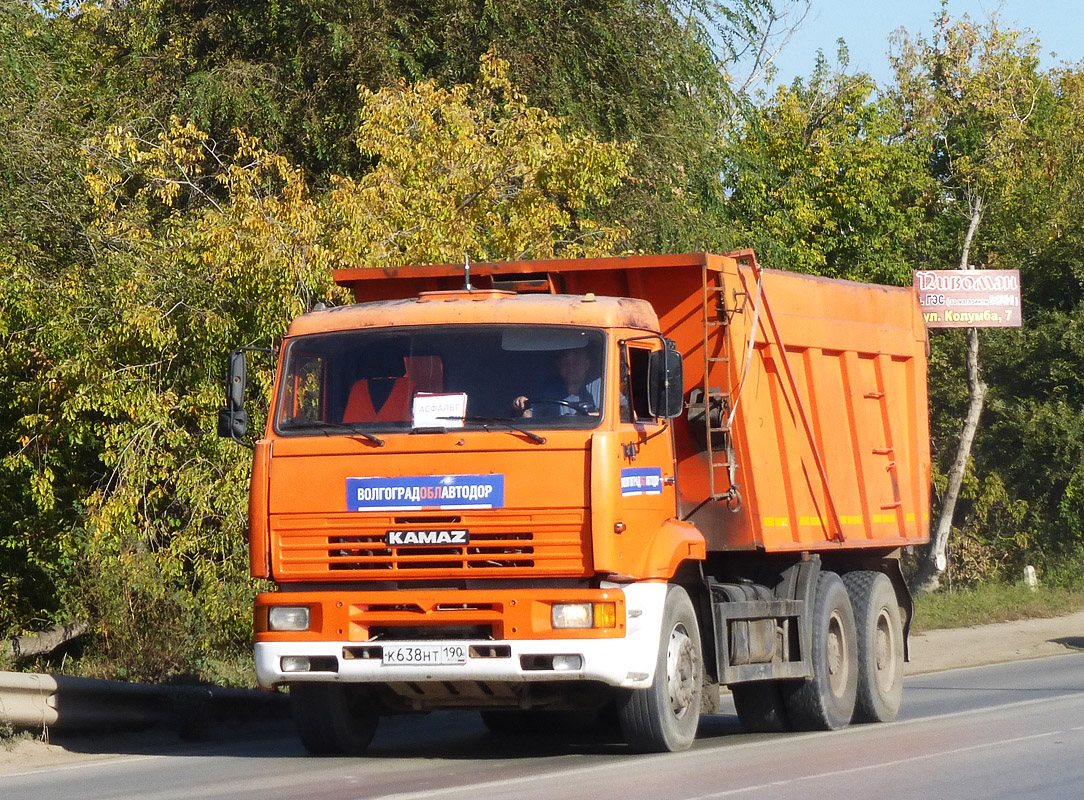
[466, 273]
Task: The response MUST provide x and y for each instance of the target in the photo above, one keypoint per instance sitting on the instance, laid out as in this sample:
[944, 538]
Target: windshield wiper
[504, 423]
[312, 424]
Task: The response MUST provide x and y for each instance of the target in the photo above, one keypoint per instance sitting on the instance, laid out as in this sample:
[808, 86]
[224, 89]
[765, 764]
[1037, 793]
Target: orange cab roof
[482, 307]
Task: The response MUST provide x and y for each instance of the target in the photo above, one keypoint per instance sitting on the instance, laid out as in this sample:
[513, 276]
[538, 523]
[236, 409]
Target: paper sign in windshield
[439, 410]
[423, 492]
[641, 480]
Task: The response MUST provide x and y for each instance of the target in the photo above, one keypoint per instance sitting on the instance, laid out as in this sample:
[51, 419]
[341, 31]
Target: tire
[334, 718]
[665, 716]
[760, 707]
[825, 702]
[880, 646]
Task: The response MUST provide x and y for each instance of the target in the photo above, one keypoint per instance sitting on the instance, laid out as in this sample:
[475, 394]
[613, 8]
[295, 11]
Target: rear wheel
[665, 716]
[880, 646]
[826, 700]
[334, 718]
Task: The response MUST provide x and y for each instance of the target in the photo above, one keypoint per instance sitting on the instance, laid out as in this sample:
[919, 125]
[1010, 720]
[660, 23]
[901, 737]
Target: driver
[570, 393]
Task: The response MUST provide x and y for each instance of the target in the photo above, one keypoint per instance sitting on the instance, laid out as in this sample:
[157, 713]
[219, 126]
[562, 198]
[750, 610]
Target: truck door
[646, 492]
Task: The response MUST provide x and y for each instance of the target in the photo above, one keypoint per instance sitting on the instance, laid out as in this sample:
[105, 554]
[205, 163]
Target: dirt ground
[992, 644]
[930, 652]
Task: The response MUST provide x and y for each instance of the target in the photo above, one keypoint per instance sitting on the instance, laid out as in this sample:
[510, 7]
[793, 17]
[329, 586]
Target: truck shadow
[462, 736]
[269, 738]
[448, 735]
[1074, 642]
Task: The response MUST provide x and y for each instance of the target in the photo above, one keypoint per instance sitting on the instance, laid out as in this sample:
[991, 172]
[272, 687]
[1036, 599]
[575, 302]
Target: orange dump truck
[590, 485]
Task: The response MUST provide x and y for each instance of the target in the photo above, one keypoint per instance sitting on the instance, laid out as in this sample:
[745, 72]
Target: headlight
[288, 618]
[584, 615]
[573, 615]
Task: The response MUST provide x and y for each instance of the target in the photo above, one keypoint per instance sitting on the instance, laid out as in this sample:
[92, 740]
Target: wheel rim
[839, 666]
[682, 672]
[884, 652]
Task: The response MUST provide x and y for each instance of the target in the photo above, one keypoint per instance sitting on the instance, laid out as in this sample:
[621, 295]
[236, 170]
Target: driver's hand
[519, 405]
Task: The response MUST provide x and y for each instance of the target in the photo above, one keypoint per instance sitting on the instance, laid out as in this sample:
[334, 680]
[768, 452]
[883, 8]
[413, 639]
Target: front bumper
[626, 661]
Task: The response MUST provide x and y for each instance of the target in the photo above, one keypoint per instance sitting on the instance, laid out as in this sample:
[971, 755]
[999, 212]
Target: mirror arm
[663, 428]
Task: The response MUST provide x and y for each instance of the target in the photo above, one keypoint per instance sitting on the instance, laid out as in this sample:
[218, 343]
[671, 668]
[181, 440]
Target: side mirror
[236, 377]
[232, 424]
[665, 383]
[233, 420]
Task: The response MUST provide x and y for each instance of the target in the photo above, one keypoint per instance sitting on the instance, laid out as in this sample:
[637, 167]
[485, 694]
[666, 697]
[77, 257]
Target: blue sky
[867, 24]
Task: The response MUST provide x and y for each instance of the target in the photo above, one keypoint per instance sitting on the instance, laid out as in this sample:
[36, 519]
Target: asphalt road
[1010, 730]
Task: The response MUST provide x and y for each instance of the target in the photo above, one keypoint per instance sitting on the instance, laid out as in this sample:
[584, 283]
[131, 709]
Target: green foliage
[991, 603]
[472, 171]
[996, 129]
[42, 209]
[288, 74]
[822, 181]
[973, 91]
[830, 176]
[197, 246]
[10, 736]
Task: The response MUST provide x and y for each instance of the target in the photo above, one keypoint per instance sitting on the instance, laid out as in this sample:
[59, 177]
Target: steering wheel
[578, 408]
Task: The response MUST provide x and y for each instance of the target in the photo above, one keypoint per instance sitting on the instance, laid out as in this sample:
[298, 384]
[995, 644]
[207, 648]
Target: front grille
[486, 551]
[550, 543]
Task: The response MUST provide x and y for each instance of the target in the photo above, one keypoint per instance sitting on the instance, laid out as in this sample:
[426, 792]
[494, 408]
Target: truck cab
[432, 473]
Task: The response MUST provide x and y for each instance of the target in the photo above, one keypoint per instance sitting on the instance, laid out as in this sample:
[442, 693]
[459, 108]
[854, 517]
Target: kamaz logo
[416, 538]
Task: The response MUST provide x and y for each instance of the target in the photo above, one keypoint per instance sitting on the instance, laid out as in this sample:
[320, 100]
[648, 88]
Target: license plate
[425, 654]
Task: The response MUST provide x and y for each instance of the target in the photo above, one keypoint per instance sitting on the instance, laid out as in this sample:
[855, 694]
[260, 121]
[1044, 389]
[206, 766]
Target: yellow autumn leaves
[471, 170]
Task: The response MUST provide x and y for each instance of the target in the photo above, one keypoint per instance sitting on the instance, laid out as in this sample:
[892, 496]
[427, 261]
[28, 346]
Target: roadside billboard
[969, 298]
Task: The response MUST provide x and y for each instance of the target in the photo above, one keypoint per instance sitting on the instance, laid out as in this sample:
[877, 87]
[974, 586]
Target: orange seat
[397, 378]
[396, 408]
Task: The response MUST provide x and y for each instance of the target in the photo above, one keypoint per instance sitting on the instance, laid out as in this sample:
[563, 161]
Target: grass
[234, 671]
[991, 603]
[10, 736]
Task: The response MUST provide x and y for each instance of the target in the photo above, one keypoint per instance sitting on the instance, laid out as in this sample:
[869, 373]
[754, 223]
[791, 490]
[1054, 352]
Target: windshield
[473, 377]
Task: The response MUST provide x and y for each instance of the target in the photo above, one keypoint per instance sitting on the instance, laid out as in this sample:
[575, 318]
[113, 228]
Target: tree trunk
[37, 644]
[929, 575]
[936, 560]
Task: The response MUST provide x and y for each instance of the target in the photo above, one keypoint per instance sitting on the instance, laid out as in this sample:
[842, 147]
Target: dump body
[816, 388]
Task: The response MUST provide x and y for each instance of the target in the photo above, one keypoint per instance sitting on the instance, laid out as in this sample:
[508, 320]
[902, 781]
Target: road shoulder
[954, 648]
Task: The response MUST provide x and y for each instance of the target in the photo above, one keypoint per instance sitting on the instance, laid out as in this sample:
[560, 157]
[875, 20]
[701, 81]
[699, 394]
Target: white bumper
[628, 662]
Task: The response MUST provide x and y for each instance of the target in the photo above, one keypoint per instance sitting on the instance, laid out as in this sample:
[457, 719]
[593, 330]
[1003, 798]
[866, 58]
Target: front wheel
[334, 718]
[665, 716]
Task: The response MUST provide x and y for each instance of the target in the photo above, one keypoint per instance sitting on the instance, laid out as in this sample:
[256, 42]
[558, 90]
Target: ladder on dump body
[717, 399]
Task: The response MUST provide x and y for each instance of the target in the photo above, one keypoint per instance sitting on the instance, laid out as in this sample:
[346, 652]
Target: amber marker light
[583, 615]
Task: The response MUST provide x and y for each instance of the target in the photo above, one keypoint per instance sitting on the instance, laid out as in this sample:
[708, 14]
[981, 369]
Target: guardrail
[65, 703]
